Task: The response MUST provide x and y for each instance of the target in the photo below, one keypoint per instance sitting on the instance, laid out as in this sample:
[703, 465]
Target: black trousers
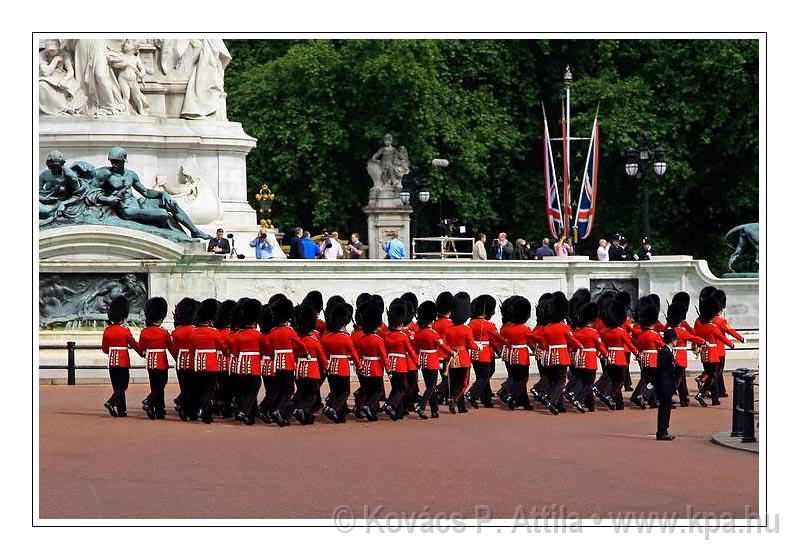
[158, 381]
[709, 380]
[556, 377]
[358, 394]
[246, 392]
[581, 386]
[430, 376]
[340, 390]
[481, 388]
[680, 384]
[267, 404]
[371, 389]
[664, 412]
[412, 390]
[721, 377]
[517, 385]
[224, 394]
[120, 377]
[628, 380]
[184, 380]
[611, 382]
[307, 395]
[645, 387]
[284, 390]
[459, 380]
[206, 386]
[398, 392]
[541, 384]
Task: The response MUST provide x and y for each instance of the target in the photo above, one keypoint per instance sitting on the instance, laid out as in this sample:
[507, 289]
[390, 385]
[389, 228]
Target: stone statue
[105, 196]
[95, 78]
[193, 194]
[81, 299]
[59, 92]
[748, 235]
[388, 165]
[60, 190]
[130, 72]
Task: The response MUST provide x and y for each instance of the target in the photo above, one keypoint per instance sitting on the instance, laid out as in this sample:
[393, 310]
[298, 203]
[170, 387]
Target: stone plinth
[385, 213]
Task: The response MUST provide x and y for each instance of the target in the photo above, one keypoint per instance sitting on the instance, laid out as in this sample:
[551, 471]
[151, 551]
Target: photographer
[219, 245]
[501, 248]
[522, 251]
[331, 248]
[263, 245]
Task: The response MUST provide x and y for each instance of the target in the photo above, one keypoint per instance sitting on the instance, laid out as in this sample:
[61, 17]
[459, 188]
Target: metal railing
[743, 421]
[71, 366]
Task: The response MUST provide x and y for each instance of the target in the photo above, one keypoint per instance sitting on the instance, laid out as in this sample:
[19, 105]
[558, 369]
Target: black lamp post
[415, 192]
[638, 161]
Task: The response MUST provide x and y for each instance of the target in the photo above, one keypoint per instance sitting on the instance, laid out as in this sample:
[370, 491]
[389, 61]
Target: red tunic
[315, 362]
[441, 325]
[399, 351]
[246, 346]
[518, 338]
[267, 361]
[685, 325]
[485, 334]
[586, 358]
[429, 345]
[286, 347]
[618, 342]
[557, 340]
[182, 348]
[321, 327]
[155, 342]
[726, 329]
[339, 350]
[372, 351]
[599, 325]
[649, 343]
[116, 340]
[205, 343]
[711, 351]
[681, 347]
[460, 339]
[225, 357]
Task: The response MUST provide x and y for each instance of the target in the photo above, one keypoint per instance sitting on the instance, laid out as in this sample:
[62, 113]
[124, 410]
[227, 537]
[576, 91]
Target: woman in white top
[602, 250]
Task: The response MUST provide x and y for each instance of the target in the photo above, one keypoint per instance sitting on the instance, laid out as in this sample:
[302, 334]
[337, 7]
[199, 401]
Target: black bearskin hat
[362, 298]
[275, 298]
[397, 313]
[559, 307]
[426, 312]
[461, 308]
[604, 299]
[185, 312]
[675, 314]
[207, 311]
[709, 308]
[484, 305]
[377, 300]
[655, 300]
[520, 311]
[306, 315]
[543, 309]
[589, 313]
[371, 317]
[118, 309]
[615, 315]
[334, 300]
[282, 310]
[682, 298]
[251, 311]
[444, 303]
[707, 292]
[582, 295]
[648, 315]
[339, 315]
[624, 298]
[266, 321]
[314, 298]
[411, 298]
[155, 310]
[224, 314]
[721, 297]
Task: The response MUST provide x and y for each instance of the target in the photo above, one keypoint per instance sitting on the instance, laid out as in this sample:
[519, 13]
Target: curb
[725, 440]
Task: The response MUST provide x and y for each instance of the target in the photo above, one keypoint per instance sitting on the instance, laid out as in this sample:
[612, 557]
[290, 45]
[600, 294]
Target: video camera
[449, 226]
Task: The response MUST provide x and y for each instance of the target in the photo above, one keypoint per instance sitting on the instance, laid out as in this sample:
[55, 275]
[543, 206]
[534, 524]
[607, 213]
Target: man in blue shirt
[310, 249]
[395, 249]
[262, 245]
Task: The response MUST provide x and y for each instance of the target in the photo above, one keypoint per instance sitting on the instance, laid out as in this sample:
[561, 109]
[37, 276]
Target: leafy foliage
[320, 108]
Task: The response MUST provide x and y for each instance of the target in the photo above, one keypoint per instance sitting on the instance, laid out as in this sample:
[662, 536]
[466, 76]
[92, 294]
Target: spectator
[296, 245]
[602, 251]
[617, 251]
[331, 248]
[479, 248]
[645, 252]
[501, 248]
[395, 249]
[310, 249]
[544, 250]
[521, 251]
[219, 245]
[264, 245]
[565, 248]
[356, 248]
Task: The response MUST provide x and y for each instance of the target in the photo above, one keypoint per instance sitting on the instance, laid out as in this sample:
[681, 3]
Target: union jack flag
[552, 202]
[587, 202]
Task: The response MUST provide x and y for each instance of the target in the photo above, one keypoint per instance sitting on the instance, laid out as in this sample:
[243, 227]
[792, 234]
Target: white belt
[556, 346]
[249, 354]
[372, 358]
[306, 359]
[338, 357]
[395, 355]
[683, 348]
[648, 351]
[711, 345]
[519, 346]
[205, 351]
[481, 343]
[616, 348]
[117, 347]
[434, 351]
[181, 350]
[156, 351]
[283, 351]
[588, 349]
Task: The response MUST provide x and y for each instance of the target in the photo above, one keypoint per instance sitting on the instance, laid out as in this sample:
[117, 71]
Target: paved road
[600, 464]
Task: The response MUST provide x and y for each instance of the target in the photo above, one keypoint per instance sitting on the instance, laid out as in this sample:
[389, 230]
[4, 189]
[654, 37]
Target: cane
[451, 405]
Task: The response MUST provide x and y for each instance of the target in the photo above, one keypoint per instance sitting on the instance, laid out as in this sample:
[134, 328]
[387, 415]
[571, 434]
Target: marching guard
[117, 338]
[183, 317]
[341, 353]
[155, 341]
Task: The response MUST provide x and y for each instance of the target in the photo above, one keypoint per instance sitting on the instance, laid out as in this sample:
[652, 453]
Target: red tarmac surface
[599, 464]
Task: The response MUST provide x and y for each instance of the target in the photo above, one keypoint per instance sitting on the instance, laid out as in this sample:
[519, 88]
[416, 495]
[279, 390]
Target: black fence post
[71, 363]
[737, 408]
[749, 412]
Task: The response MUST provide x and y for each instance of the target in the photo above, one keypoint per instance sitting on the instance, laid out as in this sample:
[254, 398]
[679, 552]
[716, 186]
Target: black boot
[112, 410]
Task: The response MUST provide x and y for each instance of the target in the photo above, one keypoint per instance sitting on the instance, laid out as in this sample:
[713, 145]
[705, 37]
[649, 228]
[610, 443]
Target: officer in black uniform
[617, 252]
[645, 251]
[665, 384]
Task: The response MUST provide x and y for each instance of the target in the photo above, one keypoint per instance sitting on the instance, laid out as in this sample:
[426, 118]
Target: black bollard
[71, 362]
[737, 410]
[748, 406]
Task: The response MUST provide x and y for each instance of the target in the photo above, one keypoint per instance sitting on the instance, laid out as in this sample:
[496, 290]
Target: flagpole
[571, 220]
